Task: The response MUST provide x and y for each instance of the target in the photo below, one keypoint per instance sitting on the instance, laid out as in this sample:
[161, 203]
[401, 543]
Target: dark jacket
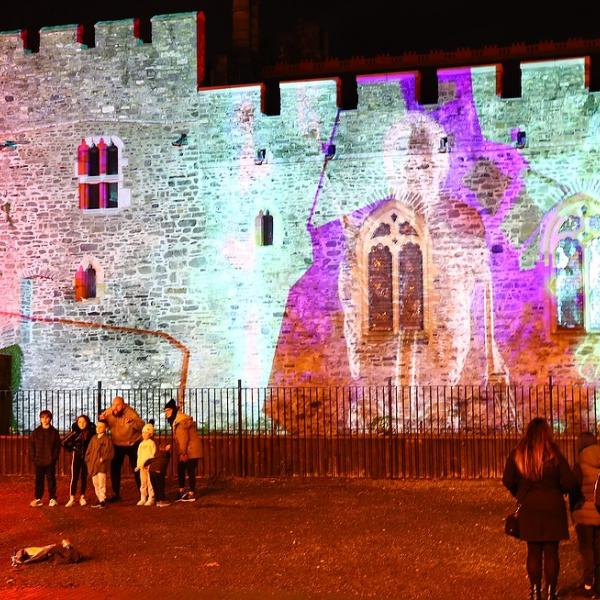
[159, 463]
[543, 515]
[77, 440]
[99, 448]
[44, 446]
[586, 473]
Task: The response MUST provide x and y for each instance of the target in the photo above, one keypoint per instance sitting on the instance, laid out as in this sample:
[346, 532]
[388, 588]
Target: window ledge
[101, 211]
[420, 336]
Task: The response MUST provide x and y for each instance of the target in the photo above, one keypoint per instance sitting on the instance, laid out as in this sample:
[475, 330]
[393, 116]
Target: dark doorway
[5, 393]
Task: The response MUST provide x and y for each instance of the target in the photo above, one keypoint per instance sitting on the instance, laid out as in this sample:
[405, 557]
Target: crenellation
[113, 36]
[58, 39]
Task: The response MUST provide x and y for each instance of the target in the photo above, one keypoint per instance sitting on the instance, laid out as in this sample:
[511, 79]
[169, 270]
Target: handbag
[511, 521]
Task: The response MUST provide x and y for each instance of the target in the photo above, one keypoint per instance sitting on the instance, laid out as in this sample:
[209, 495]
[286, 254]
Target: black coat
[44, 446]
[543, 515]
[78, 440]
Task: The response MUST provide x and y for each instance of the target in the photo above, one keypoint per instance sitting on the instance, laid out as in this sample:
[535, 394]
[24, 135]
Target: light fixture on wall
[521, 139]
[8, 144]
[328, 150]
[182, 140]
[444, 145]
[261, 156]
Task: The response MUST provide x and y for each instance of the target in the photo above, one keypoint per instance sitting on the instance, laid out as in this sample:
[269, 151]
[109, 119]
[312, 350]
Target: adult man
[188, 448]
[126, 433]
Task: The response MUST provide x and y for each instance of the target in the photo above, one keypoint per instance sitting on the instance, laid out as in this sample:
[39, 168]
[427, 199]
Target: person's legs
[51, 477]
[192, 464]
[551, 568]
[100, 485]
[534, 563]
[132, 452]
[39, 482]
[585, 539]
[158, 485]
[181, 468]
[84, 476]
[596, 549]
[144, 486]
[115, 469]
[75, 465]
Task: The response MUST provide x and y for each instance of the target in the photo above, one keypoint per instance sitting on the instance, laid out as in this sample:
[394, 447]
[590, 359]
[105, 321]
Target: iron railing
[372, 431]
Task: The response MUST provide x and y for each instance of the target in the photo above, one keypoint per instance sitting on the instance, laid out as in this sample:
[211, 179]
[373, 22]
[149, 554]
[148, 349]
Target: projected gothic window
[394, 261]
[568, 266]
[575, 257]
[100, 165]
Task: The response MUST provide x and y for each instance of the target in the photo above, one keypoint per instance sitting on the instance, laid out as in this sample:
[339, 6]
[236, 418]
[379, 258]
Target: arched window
[573, 257]
[393, 258]
[100, 165]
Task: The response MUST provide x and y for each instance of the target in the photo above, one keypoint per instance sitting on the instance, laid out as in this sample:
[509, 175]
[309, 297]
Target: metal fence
[378, 431]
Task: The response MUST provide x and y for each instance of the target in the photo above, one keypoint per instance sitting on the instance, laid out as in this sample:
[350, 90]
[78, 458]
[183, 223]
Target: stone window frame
[584, 207]
[124, 195]
[100, 285]
[364, 244]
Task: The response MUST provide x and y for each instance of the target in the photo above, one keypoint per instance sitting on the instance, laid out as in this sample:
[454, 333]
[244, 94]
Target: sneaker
[99, 505]
[71, 502]
[149, 502]
[114, 498]
[36, 502]
[53, 502]
[141, 502]
[163, 503]
[188, 497]
[82, 501]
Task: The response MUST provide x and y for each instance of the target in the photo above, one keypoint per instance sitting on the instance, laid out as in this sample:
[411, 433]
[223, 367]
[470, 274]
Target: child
[585, 515]
[77, 442]
[98, 456]
[157, 467]
[146, 451]
[44, 446]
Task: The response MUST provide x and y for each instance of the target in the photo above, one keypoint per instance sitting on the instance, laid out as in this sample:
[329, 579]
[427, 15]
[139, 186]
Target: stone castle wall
[183, 259]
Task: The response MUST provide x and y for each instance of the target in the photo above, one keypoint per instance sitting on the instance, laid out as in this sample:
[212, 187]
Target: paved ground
[262, 538]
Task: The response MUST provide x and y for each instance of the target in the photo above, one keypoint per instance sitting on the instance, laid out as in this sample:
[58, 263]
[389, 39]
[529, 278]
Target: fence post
[96, 409]
[241, 469]
[551, 403]
[390, 440]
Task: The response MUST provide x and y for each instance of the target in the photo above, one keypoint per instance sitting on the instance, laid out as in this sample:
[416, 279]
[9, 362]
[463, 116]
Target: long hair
[535, 449]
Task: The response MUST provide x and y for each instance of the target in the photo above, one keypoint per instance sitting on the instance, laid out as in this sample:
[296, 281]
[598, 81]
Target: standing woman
[77, 441]
[538, 476]
[188, 449]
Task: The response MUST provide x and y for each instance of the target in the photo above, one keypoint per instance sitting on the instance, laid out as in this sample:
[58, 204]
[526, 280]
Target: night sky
[353, 28]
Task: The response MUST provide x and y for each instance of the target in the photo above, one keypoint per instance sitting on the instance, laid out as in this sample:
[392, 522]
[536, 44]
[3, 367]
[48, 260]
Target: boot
[552, 593]
[535, 592]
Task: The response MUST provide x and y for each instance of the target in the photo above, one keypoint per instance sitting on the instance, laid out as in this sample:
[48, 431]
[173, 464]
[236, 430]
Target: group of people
[539, 476]
[95, 453]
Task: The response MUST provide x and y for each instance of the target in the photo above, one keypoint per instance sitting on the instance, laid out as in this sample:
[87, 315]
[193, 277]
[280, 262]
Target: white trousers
[99, 481]
[146, 490]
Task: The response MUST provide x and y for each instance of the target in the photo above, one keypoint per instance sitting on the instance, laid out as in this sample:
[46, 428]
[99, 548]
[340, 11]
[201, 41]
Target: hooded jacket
[186, 437]
[586, 472]
[100, 447]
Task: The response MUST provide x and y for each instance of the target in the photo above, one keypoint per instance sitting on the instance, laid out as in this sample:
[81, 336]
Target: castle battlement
[169, 33]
